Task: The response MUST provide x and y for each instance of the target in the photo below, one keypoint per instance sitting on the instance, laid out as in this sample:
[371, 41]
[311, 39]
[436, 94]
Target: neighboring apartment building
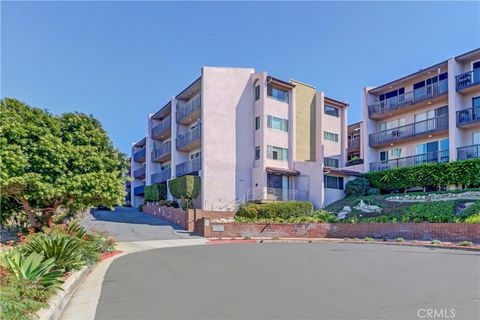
[128, 184]
[250, 137]
[432, 115]
[355, 155]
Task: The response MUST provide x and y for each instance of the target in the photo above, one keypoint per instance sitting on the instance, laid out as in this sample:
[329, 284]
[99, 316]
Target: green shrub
[168, 203]
[436, 241]
[428, 175]
[65, 251]
[368, 239]
[284, 210]
[33, 268]
[20, 299]
[185, 187]
[155, 192]
[357, 187]
[400, 239]
[373, 191]
[438, 211]
[465, 244]
[473, 219]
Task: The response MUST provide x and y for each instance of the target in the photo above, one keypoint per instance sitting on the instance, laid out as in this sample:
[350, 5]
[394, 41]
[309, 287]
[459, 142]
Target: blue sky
[121, 60]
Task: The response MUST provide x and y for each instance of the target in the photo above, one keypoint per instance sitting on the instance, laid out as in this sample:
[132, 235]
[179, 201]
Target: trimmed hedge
[187, 187]
[466, 172]
[155, 192]
[284, 210]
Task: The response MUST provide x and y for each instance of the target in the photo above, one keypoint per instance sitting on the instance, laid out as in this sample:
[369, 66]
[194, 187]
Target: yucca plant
[63, 249]
[32, 268]
[76, 230]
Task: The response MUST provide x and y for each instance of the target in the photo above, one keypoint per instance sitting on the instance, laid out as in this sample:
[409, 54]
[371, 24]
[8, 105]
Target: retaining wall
[185, 219]
[454, 232]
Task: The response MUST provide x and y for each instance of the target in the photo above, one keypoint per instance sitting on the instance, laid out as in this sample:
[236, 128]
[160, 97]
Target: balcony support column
[454, 101]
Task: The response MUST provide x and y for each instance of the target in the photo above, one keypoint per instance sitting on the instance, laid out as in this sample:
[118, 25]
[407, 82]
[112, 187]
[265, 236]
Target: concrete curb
[350, 241]
[59, 301]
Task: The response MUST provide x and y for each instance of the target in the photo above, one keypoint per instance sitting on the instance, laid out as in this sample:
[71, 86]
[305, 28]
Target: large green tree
[48, 162]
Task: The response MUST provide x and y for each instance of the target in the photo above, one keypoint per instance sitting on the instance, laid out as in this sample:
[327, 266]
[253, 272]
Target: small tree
[49, 162]
[357, 187]
[155, 192]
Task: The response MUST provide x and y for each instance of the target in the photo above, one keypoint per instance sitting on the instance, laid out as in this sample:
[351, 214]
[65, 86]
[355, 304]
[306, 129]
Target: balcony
[468, 118]
[139, 191]
[466, 82]
[162, 129]
[189, 140]
[414, 99]
[139, 173]
[188, 167]
[438, 156]
[190, 111]
[162, 176]
[353, 144]
[139, 156]
[468, 152]
[275, 194]
[162, 153]
[409, 131]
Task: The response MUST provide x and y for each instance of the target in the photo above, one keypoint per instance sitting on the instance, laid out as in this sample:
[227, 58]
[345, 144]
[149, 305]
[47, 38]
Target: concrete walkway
[129, 224]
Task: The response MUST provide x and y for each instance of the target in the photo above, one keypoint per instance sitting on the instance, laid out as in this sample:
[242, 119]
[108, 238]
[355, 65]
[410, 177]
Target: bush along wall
[466, 172]
[284, 210]
[155, 192]
[186, 189]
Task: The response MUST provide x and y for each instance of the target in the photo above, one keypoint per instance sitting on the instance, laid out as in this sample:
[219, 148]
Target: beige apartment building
[249, 137]
[432, 115]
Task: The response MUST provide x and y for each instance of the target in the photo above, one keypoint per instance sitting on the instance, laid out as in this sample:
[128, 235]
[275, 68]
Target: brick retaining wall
[412, 231]
[185, 219]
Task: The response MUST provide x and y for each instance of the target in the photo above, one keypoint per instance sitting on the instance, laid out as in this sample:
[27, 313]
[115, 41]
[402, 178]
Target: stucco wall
[305, 121]
[227, 135]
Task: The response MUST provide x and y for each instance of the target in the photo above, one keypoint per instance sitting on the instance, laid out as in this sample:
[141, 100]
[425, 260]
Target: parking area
[291, 281]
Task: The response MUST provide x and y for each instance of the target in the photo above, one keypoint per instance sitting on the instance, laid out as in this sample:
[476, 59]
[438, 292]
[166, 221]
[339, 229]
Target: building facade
[250, 137]
[432, 115]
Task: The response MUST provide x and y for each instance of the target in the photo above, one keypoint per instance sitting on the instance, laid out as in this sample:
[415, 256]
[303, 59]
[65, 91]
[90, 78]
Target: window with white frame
[331, 162]
[277, 123]
[330, 136]
[257, 153]
[277, 153]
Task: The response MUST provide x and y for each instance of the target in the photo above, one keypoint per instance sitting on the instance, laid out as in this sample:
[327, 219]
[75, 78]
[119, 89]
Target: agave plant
[76, 230]
[64, 250]
[32, 268]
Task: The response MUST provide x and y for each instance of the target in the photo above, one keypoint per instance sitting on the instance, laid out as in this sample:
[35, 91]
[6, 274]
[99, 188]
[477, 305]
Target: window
[331, 162]
[165, 167]
[257, 123]
[332, 111]
[277, 153]
[330, 136]
[332, 182]
[383, 156]
[396, 152]
[392, 124]
[257, 153]
[257, 93]
[278, 94]
[277, 123]
[476, 137]
[400, 92]
[195, 155]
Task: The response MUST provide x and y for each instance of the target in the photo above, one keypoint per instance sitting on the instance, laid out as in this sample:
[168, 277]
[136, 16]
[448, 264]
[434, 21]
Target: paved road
[291, 281]
[129, 224]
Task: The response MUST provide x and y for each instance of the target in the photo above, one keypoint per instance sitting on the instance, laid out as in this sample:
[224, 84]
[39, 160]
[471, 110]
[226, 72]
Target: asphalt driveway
[129, 224]
[292, 281]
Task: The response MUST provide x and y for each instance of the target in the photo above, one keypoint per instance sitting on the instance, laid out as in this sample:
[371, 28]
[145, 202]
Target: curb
[57, 303]
[336, 240]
